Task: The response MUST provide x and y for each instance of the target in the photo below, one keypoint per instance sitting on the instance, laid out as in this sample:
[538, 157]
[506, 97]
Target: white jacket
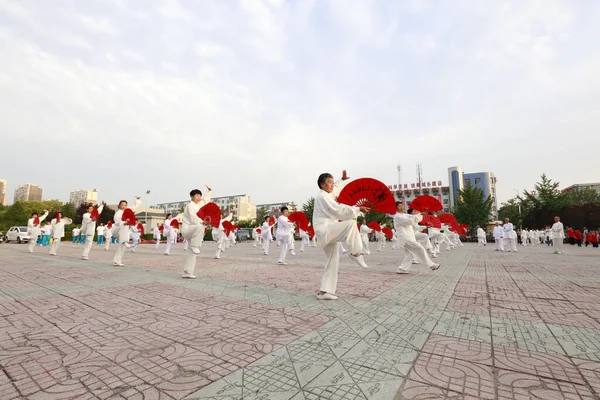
[327, 212]
[58, 228]
[404, 225]
[88, 227]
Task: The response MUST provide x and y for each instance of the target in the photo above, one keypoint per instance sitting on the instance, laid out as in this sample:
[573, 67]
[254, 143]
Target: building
[595, 186]
[485, 181]
[407, 192]
[3, 191]
[244, 208]
[28, 192]
[83, 196]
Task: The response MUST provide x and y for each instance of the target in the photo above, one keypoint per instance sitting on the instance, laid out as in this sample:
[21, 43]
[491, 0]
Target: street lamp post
[519, 205]
[146, 211]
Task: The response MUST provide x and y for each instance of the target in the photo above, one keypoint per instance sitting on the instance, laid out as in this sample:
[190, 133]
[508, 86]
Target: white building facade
[83, 196]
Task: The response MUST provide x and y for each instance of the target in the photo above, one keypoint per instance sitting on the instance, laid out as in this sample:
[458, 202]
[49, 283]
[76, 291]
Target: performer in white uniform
[404, 225]
[219, 237]
[192, 230]
[156, 235]
[481, 241]
[364, 236]
[88, 227]
[256, 237]
[423, 240]
[510, 240]
[533, 237]
[170, 233]
[498, 237]
[135, 235]
[33, 228]
[58, 231]
[284, 233]
[326, 214]
[558, 236]
[121, 230]
[265, 233]
[304, 239]
[108, 235]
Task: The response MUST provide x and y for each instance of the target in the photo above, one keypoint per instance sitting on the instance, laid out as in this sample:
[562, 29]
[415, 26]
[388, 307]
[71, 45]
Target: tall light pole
[146, 213]
[519, 205]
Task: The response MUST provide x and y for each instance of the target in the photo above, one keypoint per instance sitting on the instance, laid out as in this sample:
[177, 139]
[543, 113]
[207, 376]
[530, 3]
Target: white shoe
[127, 245]
[302, 250]
[434, 256]
[31, 251]
[293, 252]
[187, 276]
[281, 263]
[84, 258]
[195, 250]
[359, 260]
[401, 271]
[434, 267]
[326, 296]
[415, 262]
[118, 265]
[184, 249]
[217, 258]
[344, 252]
[167, 254]
[266, 254]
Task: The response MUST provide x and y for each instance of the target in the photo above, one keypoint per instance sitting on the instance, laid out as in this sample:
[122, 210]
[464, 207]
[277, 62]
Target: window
[467, 181]
[477, 181]
[445, 201]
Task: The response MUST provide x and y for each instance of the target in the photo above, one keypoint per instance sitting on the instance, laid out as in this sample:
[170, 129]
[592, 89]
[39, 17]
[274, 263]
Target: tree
[68, 211]
[32, 206]
[546, 195]
[14, 215]
[308, 207]
[261, 213]
[472, 207]
[106, 215]
[246, 223]
[511, 209]
[292, 207]
[582, 196]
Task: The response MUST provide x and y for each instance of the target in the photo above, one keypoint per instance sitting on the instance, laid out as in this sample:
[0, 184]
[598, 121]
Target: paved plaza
[487, 325]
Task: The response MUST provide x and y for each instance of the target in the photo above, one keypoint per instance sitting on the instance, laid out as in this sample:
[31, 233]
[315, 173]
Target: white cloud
[209, 50]
[99, 25]
[173, 9]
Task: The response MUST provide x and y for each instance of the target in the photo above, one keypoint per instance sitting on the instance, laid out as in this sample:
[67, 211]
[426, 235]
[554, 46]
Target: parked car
[18, 234]
[1, 237]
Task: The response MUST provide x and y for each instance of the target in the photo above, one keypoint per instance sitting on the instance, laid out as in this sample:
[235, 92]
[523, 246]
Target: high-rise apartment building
[28, 191]
[3, 191]
[83, 196]
[485, 181]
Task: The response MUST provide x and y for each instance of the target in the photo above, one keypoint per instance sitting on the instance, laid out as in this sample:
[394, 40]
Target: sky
[259, 97]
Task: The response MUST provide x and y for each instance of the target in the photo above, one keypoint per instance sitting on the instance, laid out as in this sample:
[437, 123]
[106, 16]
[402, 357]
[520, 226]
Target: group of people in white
[334, 226]
[505, 236]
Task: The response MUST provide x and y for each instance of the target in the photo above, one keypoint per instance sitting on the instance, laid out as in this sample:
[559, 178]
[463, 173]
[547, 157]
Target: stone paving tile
[249, 329]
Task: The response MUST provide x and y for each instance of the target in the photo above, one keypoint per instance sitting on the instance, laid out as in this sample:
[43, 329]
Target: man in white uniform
[121, 230]
[498, 237]
[192, 230]
[558, 236]
[510, 236]
[170, 233]
[88, 228]
[265, 235]
[284, 234]
[327, 212]
[219, 236]
[364, 236]
[404, 225]
[58, 231]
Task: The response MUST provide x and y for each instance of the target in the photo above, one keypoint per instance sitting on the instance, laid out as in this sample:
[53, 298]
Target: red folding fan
[161, 229]
[174, 223]
[94, 214]
[426, 204]
[258, 230]
[375, 226]
[311, 232]
[448, 219]
[430, 220]
[109, 224]
[464, 226]
[140, 228]
[358, 226]
[228, 227]
[388, 233]
[370, 193]
[36, 221]
[300, 219]
[210, 214]
[129, 216]
[271, 221]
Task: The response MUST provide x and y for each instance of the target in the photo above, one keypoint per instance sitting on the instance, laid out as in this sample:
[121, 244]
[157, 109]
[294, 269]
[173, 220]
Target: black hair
[266, 218]
[195, 192]
[409, 211]
[123, 201]
[169, 214]
[398, 203]
[282, 209]
[323, 178]
[34, 213]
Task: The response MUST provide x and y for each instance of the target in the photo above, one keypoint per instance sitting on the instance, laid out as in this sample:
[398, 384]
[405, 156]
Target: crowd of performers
[335, 228]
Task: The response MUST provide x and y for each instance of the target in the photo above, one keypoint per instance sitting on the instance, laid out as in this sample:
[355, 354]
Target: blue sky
[260, 96]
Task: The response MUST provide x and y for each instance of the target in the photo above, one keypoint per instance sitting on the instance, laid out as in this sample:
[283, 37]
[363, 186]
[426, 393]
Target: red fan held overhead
[311, 232]
[426, 204]
[271, 221]
[448, 219]
[368, 192]
[228, 227]
[94, 214]
[140, 228]
[210, 214]
[431, 221]
[36, 221]
[109, 225]
[300, 219]
[161, 229]
[129, 216]
[388, 233]
[258, 230]
[174, 223]
[375, 226]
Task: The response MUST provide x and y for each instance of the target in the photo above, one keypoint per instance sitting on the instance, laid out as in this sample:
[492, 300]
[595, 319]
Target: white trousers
[558, 245]
[118, 258]
[285, 245]
[414, 250]
[510, 244]
[365, 243]
[480, 241]
[219, 238]
[170, 239]
[157, 243]
[266, 240]
[523, 241]
[194, 234]
[108, 240]
[499, 244]
[55, 245]
[88, 245]
[423, 240]
[344, 231]
[304, 243]
[380, 242]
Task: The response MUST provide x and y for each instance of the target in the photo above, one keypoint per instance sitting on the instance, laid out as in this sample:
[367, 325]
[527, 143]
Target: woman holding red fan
[33, 226]
[169, 232]
[58, 231]
[88, 228]
[121, 230]
[192, 229]
[326, 214]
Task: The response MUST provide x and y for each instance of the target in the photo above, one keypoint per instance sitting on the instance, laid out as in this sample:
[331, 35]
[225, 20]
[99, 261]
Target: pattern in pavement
[486, 325]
